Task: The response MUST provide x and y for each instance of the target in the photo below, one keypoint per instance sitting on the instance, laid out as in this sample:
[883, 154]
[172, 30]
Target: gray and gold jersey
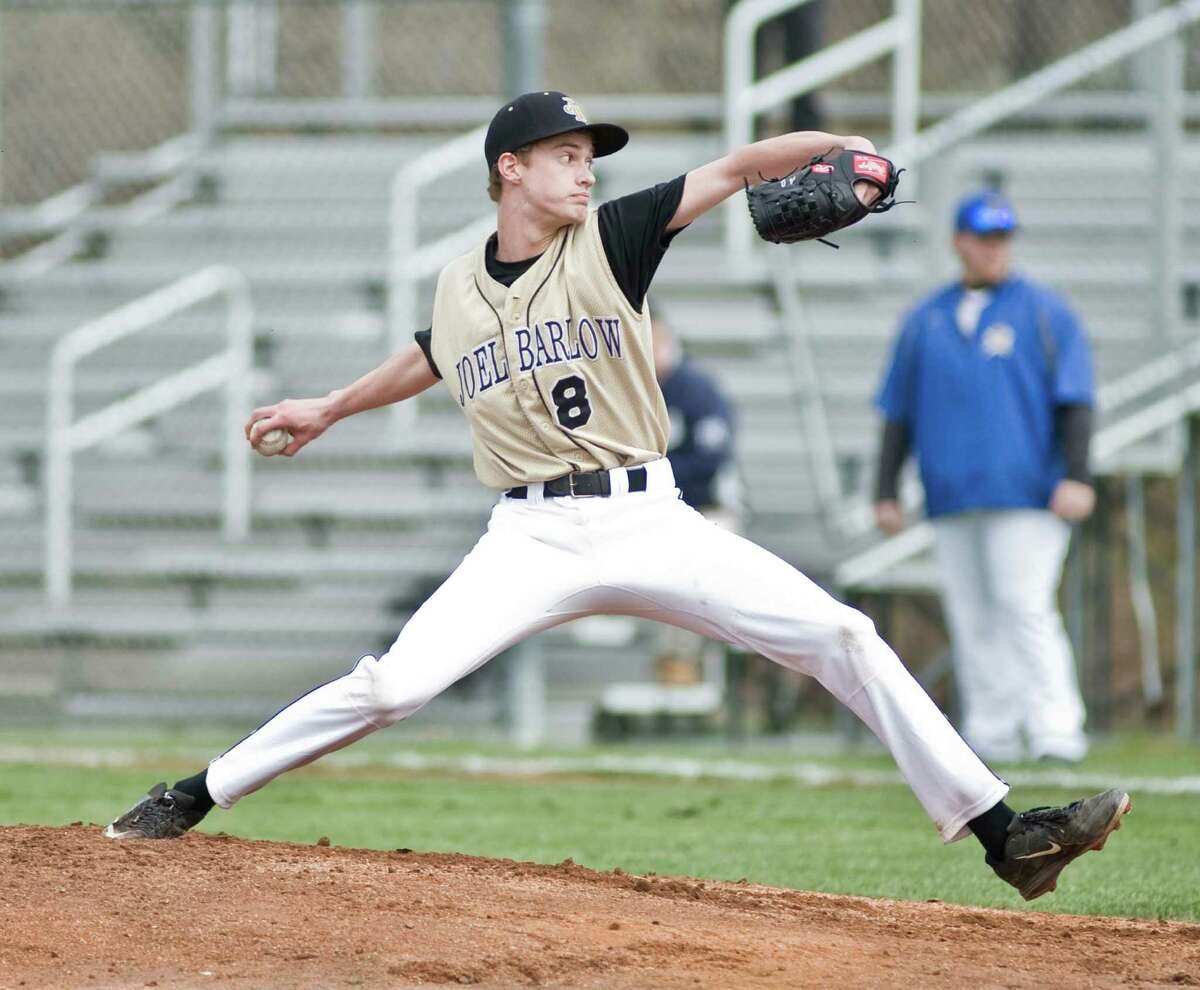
[554, 373]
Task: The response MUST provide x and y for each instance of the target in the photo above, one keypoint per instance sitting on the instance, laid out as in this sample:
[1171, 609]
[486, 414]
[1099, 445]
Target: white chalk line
[806, 773]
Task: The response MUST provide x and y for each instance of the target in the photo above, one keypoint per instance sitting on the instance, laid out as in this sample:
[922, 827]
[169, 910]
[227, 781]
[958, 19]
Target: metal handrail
[64, 438]
[65, 215]
[408, 260]
[1120, 44]
[1067, 71]
[806, 391]
[899, 35]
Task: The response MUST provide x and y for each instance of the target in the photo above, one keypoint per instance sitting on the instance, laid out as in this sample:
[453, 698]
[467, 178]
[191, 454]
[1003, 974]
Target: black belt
[583, 484]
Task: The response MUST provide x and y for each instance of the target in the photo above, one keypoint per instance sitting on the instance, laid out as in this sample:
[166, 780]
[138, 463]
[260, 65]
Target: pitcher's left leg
[694, 574]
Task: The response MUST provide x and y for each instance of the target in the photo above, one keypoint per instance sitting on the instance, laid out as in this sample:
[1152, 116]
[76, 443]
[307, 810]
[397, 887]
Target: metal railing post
[2, 28]
[59, 510]
[402, 316]
[906, 73]
[524, 34]
[1167, 128]
[798, 356]
[236, 515]
[1185, 584]
[739, 125]
[252, 46]
[65, 437]
[898, 35]
[408, 261]
[1145, 617]
[359, 50]
[527, 694]
[203, 61]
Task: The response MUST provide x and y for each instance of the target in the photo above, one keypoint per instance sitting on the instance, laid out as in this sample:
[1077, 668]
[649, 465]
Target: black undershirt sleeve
[425, 340]
[633, 230]
[1074, 427]
[893, 449]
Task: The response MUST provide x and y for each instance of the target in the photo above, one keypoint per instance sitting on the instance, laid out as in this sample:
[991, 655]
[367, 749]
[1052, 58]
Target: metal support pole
[1102, 705]
[1166, 79]
[58, 487]
[253, 42]
[241, 54]
[1185, 585]
[1139, 590]
[268, 45]
[359, 50]
[527, 694]
[402, 308]
[739, 60]
[236, 517]
[524, 29]
[1075, 593]
[1, 100]
[203, 58]
[906, 73]
[936, 177]
[1095, 656]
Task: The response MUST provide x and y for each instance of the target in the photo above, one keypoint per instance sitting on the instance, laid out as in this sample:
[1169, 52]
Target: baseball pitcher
[542, 336]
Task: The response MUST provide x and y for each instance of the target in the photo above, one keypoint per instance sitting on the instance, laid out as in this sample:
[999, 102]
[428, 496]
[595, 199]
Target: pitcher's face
[558, 179]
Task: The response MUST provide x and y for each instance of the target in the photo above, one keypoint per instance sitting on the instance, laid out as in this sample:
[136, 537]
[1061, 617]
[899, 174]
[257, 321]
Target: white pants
[543, 562]
[1000, 571]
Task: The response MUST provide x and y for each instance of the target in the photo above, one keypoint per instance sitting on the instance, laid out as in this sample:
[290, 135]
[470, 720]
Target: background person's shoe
[161, 814]
[1042, 841]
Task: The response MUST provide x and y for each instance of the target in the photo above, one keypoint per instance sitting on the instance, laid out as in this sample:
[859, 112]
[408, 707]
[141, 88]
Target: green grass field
[840, 838]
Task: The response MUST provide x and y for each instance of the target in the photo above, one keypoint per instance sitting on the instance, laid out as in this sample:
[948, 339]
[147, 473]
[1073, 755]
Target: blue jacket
[979, 404]
[702, 428]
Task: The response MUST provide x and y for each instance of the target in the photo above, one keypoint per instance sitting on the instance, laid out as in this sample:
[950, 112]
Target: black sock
[991, 828]
[197, 788]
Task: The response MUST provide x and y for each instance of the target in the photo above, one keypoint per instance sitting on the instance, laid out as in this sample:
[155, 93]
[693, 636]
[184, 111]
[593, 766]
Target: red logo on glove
[822, 168]
[875, 168]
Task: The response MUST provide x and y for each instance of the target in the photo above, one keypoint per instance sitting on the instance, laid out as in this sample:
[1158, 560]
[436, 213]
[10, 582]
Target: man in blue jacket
[990, 383]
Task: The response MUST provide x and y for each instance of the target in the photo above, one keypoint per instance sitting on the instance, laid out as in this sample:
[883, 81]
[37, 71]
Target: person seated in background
[700, 444]
[700, 447]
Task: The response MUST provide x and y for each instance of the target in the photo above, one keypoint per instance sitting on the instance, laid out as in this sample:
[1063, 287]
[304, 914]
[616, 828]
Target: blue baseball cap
[987, 212]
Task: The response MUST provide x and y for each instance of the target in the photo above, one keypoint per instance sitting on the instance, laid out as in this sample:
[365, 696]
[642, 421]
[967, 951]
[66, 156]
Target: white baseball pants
[1000, 572]
[543, 562]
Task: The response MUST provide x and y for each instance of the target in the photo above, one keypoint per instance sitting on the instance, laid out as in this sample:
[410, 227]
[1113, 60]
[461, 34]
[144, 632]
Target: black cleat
[161, 814]
[1041, 842]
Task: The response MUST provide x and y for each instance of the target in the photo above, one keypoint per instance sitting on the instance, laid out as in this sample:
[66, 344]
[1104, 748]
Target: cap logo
[998, 340]
[993, 216]
[573, 109]
[868, 165]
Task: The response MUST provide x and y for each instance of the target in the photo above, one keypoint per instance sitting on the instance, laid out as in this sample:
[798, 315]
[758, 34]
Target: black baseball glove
[818, 199]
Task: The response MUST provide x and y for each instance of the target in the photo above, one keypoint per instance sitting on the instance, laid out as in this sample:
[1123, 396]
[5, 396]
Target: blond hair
[495, 182]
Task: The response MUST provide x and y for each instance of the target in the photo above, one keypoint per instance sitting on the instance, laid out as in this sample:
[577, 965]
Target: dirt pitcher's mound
[77, 910]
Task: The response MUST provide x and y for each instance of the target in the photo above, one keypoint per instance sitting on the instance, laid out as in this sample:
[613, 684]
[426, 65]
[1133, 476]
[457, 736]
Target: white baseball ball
[272, 442]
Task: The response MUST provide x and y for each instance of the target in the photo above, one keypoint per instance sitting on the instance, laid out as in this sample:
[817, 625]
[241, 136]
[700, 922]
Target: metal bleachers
[348, 537]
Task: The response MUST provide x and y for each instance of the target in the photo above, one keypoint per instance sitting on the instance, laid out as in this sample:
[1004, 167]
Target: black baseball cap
[535, 116]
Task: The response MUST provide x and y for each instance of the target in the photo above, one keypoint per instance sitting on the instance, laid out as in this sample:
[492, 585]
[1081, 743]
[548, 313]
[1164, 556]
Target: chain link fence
[77, 78]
